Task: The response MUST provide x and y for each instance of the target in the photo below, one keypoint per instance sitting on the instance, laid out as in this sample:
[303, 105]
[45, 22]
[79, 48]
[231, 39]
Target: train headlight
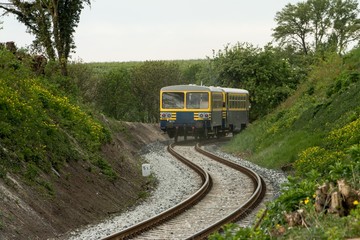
[165, 115]
[204, 115]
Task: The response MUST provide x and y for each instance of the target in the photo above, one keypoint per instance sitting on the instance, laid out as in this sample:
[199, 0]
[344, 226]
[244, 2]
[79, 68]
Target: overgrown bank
[315, 135]
[62, 164]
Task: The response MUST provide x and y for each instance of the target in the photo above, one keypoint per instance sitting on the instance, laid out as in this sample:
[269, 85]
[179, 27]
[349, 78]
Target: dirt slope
[82, 194]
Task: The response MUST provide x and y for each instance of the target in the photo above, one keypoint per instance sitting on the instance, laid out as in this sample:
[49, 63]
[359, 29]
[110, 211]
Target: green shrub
[345, 136]
[317, 158]
[40, 127]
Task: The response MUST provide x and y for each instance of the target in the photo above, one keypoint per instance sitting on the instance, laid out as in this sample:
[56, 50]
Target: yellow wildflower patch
[347, 135]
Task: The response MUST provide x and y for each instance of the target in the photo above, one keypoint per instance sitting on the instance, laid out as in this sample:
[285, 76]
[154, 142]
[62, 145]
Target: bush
[41, 128]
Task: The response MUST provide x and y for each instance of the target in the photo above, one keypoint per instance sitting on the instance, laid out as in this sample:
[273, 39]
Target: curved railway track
[236, 213]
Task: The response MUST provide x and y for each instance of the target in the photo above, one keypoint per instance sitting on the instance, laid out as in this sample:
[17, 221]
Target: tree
[53, 23]
[147, 80]
[317, 25]
[267, 74]
[294, 25]
[114, 95]
[346, 24]
[320, 20]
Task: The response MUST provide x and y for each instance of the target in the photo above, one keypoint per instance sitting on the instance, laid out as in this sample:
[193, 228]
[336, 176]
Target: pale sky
[140, 30]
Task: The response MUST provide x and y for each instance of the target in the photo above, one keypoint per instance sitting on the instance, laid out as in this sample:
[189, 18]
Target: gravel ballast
[176, 182]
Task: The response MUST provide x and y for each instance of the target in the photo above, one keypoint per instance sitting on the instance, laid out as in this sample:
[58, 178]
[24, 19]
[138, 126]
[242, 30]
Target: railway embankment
[81, 193]
[315, 136]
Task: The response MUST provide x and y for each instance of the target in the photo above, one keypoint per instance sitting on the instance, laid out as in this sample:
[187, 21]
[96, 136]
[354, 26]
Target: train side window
[217, 101]
[244, 101]
[231, 101]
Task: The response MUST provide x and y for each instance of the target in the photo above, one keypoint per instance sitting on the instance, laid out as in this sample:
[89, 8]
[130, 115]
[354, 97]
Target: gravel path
[175, 183]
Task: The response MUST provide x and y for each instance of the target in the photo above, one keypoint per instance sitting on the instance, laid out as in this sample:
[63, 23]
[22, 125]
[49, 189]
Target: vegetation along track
[224, 197]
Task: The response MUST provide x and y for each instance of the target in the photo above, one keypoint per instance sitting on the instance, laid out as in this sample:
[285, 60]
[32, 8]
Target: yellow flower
[306, 201]
[356, 202]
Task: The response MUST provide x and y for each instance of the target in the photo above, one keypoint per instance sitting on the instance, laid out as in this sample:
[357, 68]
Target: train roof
[235, 90]
[193, 87]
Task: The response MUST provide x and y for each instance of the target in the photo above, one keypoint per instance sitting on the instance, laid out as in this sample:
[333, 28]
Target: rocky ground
[82, 196]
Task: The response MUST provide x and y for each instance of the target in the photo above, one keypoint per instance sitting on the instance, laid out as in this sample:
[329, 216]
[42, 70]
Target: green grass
[277, 139]
[326, 227]
[317, 132]
[43, 126]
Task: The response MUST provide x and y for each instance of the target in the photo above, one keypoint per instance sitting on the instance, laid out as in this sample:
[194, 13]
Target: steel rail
[258, 194]
[259, 189]
[171, 212]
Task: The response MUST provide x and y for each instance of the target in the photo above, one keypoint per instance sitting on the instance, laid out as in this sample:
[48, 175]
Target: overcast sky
[139, 30]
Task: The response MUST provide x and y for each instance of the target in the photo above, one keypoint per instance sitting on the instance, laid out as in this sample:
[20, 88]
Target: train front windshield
[176, 100]
[197, 100]
[173, 100]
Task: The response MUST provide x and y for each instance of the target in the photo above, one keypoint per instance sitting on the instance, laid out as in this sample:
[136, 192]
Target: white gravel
[274, 177]
[175, 183]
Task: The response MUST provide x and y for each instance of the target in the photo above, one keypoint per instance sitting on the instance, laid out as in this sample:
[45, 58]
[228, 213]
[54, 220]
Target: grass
[317, 132]
[277, 139]
[322, 226]
[43, 126]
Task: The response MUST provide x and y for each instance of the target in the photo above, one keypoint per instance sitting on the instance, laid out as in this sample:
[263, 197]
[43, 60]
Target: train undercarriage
[197, 133]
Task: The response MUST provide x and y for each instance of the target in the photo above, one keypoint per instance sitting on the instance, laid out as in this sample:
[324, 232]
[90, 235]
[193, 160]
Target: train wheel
[217, 134]
[171, 134]
[176, 135]
[206, 135]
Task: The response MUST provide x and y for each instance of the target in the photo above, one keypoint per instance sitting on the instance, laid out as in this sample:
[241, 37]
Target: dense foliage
[130, 91]
[318, 25]
[52, 23]
[270, 74]
[316, 131]
[40, 127]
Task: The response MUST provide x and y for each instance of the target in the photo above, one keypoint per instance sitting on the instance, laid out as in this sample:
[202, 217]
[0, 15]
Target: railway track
[216, 203]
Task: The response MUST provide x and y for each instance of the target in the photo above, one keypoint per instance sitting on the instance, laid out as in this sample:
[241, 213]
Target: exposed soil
[82, 194]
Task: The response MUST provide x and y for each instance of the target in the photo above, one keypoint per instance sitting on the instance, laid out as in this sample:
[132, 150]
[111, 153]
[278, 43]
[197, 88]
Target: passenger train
[203, 112]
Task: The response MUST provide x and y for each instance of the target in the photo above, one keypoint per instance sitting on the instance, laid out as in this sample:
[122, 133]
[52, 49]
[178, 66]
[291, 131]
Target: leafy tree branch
[53, 24]
[318, 25]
